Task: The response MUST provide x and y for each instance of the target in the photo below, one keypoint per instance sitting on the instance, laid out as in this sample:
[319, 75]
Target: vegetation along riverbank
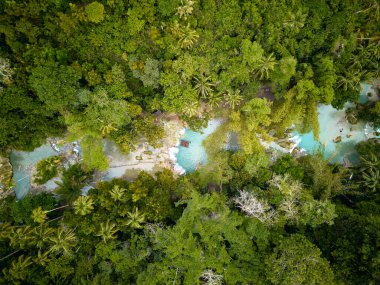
[189, 142]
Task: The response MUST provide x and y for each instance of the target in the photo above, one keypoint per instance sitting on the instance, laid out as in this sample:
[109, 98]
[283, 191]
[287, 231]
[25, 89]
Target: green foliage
[142, 232]
[100, 69]
[95, 12]
[370, 113]
[324, 180]
[207, 235]
[55, 85]
[72, 182]
[150, 75]
[282, 74]
[93, 155]
[350, 244]
[83, 205]
[297, 261]
[47, 169]
[287, 165]
[21, 211]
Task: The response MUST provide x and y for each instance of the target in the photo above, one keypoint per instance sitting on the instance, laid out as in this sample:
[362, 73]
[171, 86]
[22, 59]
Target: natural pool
[333, 124]
[23, 162]
[188, 158]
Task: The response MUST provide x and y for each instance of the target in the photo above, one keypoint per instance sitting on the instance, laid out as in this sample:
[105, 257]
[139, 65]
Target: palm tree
[374, 50]
[18, 269]
[373, 10]
[357, 61]
[72, 181]
[214, 100]
[20, 237]
[350, 80]
[369, 162]
[135, 219]
[63, 241]
[294, 22]
[187, 37]
[233, 99]
[191, 109]
[42, 258]
[107, 231]
[371, 179]
[118, 193]
[6, 230]
[266, 65]
[41, 236]
[203, 85]
[39, 215]
[83, 205]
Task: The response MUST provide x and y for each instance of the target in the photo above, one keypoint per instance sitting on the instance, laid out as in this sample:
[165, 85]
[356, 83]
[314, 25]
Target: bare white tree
[290, 209]
[211, 278]
[291, 190]
[254, 207]
[6, 71]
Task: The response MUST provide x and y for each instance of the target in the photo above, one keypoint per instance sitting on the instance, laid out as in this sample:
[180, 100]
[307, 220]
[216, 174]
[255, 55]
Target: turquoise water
[332, 124]
[367, 88]
[22, 163]
[189, 158]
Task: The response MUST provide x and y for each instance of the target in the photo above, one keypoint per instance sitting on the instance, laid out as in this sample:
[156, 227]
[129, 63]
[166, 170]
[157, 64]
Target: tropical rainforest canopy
[105, 69]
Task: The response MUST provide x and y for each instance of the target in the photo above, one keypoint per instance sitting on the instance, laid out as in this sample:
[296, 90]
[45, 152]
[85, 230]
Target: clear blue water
[189, 158]
[333, 124]
[23, 162]
[363, 95]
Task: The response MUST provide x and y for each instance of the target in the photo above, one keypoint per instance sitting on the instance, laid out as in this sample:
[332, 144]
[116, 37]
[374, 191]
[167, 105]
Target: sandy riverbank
[145, 157]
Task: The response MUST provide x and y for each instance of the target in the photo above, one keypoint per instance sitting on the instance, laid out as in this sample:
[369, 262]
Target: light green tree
[40, 236]
[135, 219]
[214, 100]
[42, 258]
[233, 98]
[294, 22]
[83, 205]
[94, 12]
[186, 9]
[206, 236]
[265, 66]
[203, 86]
[192, 109]
[18, 268]
[187, 37]
[118, 193]
[63, 241]
[39, 215]
[107, 231]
